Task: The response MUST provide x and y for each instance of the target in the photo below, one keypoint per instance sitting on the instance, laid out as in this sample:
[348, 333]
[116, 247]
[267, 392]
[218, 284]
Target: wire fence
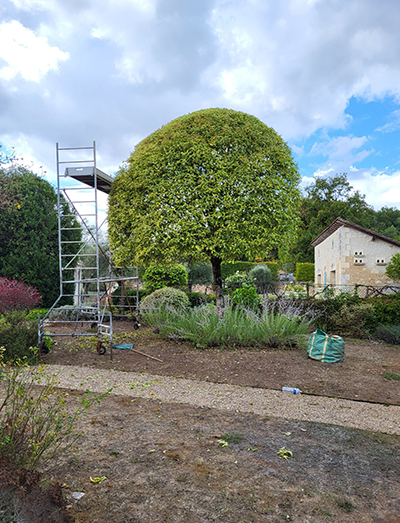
[313, 290]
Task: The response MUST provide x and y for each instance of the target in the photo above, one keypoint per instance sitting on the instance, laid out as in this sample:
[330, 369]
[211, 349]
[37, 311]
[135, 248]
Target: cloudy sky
[324, 73]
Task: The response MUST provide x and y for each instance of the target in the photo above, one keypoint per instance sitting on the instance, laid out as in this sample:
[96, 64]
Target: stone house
[346, 254]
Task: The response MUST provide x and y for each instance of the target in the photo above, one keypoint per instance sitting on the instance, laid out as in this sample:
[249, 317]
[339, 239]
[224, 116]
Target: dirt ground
[166, 463]
[176, 463]
[361, 376]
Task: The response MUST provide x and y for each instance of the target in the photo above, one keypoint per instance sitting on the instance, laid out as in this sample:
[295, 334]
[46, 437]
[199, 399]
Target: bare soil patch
[169, 463]
[361, 376]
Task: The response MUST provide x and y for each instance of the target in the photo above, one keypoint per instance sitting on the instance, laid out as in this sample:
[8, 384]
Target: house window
[358, 261]
[358, 253]
[381, 262]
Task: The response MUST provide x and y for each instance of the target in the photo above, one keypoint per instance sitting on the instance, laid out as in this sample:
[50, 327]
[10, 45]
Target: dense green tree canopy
[393, 267]
[325, 200]
[29, 231]
[212, 185]
[387, 222]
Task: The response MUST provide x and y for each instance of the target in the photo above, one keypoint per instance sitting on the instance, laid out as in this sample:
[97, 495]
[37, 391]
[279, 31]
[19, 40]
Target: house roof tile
[339, 222]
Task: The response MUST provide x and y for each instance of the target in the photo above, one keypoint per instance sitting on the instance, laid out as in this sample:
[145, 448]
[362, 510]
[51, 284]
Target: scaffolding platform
[99, 290]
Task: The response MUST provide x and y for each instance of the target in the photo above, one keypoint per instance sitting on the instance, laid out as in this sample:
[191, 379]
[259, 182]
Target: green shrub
[274, 268]
[35, 424]
[304, 272]
[234, 281]
[142, 294]
[386, 311]
[33, 314]
[246, 296]
[228, 269]
[18, 335]
[350, 320]
[165, 298]
[200, 274]
[389, 334]
[159, 276]
[393, 267]
[196, 299]
[262, 276]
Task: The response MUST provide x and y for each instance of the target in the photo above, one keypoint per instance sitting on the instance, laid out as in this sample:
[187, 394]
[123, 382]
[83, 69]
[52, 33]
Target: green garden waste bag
[329, 349]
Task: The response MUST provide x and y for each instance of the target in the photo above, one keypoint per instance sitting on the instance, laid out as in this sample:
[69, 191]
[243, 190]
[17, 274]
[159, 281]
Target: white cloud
[26, 54]
[381, 188]
[298, 63]
[341, 148]
[136, 64]
[392, 125]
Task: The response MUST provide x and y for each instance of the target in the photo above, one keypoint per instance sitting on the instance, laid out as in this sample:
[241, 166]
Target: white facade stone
[349, 256]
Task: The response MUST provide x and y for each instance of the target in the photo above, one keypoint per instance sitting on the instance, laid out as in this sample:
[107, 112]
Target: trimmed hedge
[304, 272]
[159, 276]
[274, 268]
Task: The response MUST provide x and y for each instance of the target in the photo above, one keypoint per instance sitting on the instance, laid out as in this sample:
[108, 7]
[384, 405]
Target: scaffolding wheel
[43, 349]
[100, 348]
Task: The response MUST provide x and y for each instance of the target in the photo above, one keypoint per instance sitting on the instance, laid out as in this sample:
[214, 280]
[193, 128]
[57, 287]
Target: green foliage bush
[393, 267]
[165, 298]
[304, 272]
[350, 320]
[246, 296]
[262, 276]
[274, 268]
[229, 269]
[35, 423]
[33, 314]
[200, 274]
[159, 276]
[196, 299]
[386, 311]
[18, 335]
[351, 315]
[389, 334]
[235, 281]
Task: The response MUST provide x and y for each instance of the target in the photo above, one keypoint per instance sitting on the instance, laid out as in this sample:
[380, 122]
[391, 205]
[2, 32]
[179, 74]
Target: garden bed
[361, 376]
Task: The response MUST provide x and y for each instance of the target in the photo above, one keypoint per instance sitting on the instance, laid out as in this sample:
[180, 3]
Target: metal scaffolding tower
[86, 265]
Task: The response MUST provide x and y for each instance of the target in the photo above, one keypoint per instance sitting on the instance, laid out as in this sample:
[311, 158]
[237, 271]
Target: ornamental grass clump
[238, 328]
[36, 425]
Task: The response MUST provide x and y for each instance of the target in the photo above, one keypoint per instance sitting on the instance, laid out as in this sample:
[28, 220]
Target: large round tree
[213, 185]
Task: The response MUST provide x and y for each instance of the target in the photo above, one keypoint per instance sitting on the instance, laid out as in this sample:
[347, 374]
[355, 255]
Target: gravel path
[265, 402]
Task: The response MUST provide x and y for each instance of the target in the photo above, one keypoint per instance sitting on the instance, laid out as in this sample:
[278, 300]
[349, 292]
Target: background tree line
[329, 198]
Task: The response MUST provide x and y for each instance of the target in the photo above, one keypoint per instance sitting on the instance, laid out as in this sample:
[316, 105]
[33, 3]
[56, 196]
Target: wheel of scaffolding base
[101, 348]
[44, 349]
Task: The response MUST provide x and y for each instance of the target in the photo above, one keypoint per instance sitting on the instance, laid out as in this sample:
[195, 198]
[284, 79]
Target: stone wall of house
[349, 256]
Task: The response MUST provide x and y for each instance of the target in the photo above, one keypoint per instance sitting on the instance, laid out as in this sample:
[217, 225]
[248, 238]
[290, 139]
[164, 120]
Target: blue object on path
[124, 346]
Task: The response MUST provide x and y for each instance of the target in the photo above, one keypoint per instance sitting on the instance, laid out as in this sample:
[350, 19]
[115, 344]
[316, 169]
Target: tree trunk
[217, 285]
